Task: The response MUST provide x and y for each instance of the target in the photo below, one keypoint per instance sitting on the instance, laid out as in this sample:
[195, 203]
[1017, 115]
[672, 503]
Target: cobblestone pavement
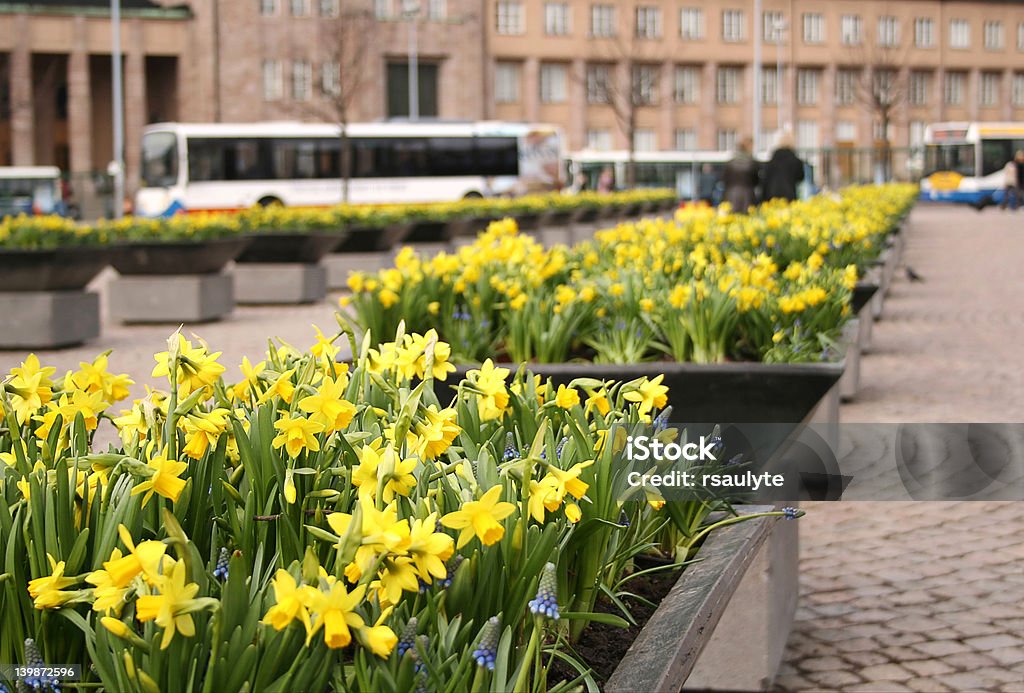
[926, 596]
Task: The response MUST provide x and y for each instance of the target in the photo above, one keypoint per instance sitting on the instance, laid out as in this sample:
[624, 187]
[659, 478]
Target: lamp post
[411, 12]
[758, 31]
[116, 167]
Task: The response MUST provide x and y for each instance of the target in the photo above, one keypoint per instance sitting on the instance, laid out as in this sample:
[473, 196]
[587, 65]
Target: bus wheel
[472, 195]
[267, 201]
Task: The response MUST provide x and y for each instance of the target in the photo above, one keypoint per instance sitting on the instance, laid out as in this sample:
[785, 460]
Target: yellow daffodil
[328, 406]
[566, 397]
[297, 434]
[165, 479]
[47, 592]
[480, 518]
[291, 602]
[171, 605]
[649, 394]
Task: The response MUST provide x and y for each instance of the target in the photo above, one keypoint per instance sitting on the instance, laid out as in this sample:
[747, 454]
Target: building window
[814, 28]
[769, 86]
[302, 80]
[924, 32]
[727, 86]
[330, 8]
[846, 131]
[437, 10]
[511, 17]
[851, 29]
[273, 80]
[959, 33]
[648, 22]
[917, 88]
[994, 38]
[645, 85]
[553, 83]
[685, 139]
[726, 139]
[1018, 89]
[268, 8]
[601, 140]
[846, 86]
[691, 23]
[556, 18]
[599, 77]
[771, 26]
[687, 84]
[506, 82]
[881, 134]
[1020, 36]
[953, 89]
[732, 25]
[330, 79]
[807, 87]
[888, 31]
[645, 140]
[382, 9]
[300, 8]
[602, 21]
[916, 133]
[807, 134]
[988, 88]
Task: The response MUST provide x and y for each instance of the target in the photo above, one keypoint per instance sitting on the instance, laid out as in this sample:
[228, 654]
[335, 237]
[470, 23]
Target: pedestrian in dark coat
[741, 177]
[783, 172]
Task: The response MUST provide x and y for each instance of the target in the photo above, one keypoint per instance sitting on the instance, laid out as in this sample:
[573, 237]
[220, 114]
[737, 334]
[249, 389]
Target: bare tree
[882, 85]
[346, 46]
[624, 78]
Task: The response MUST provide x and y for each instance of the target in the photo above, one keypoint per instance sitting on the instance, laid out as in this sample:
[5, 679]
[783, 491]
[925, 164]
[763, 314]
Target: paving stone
[941, 648]
[928, 667]
[823, 664]
[994, 642]
[878, 687]
[857, 645]
[926, 686]
[865, 659]
[886, 672]
[834, 680]
[969, 681]
[1007, 655]
[969, 661]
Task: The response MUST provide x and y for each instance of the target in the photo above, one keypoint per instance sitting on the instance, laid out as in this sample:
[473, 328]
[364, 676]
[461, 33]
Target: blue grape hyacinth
[408, 639]
[220, 571]
[546, 601]
[487, 649]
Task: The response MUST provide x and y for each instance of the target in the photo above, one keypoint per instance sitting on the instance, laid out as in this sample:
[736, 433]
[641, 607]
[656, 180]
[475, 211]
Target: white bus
[963, 162]
[190, 167]
[694, 175]
[31, 190]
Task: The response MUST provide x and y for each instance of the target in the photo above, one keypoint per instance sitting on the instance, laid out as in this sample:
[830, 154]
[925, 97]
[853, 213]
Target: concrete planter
[429, 232]
[710, 393]
[849, 383]
[340, 265]
[280, 283]
[725, 623]
[470, 226]
[43, 302]
[53, 269]
[285, 247]
[367, 239]
[530, 222]
[171, 298]
[176, 257]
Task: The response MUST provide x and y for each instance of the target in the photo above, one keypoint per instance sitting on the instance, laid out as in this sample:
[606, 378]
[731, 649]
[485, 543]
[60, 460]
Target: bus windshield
[159, 159]
[949, 157]
[29, 195]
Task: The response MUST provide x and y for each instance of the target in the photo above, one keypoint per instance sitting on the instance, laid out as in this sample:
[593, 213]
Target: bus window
[409, 157]
[996, 153]
[159, 159]
[950, 157]
[452, 156]
[497, 156]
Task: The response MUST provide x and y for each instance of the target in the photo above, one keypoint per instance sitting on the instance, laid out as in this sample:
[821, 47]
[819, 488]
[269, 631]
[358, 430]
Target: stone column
[707, 135]
[939, 95]
[1006, 97]
[827, 94]
[666, 107]
[577, 134]
[135, 115]
[624, 92]
[972, 93]
[79, 102]
[22, 116]
[531, 89]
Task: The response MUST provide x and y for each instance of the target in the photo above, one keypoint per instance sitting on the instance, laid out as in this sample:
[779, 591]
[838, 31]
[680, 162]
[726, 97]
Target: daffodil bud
[289, 486]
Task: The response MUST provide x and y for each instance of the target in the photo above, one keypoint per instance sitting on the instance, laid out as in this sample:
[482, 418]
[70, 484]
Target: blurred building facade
[673, 74]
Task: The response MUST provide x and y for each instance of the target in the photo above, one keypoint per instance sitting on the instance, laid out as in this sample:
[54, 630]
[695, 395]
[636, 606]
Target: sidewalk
[926, 596]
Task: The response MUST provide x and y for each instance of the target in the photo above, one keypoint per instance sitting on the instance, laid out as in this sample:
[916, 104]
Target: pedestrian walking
[1011, 186]
[741, 177]
[783, 172]
[606, 181]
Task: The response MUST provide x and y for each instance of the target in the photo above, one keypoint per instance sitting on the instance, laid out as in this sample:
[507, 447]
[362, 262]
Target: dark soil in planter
[176, 257]
[470, 226]
[307, 248]
[862, 293]
[601, 645]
